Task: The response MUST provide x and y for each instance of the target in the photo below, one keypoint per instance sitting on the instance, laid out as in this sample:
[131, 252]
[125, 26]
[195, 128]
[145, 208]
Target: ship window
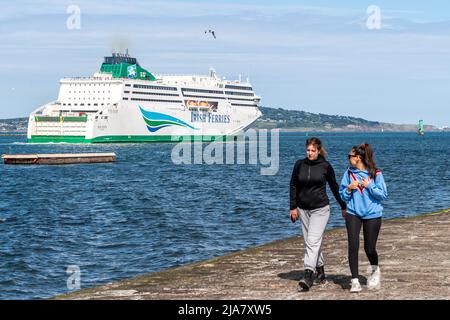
[235, 93]
[141, 86]
[127, 92]
[243, 105]
[125, 98]
[156, 100]
[238, 87]
[201, 90]
[155, 93]
[195, 96]
[241, 99]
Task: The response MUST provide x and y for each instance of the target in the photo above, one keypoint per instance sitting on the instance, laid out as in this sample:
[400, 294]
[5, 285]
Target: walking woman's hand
[344, 213]
[293, 215]
[352, 186]
[365, 182]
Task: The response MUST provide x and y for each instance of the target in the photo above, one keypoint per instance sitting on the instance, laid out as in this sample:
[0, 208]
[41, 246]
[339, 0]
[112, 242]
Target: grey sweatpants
[313, 225]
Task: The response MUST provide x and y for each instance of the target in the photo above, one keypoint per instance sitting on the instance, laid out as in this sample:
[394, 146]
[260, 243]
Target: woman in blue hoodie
[363, 188]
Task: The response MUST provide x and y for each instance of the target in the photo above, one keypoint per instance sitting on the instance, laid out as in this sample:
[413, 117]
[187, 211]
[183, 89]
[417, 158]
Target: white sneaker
[356, 287]
[374, 280]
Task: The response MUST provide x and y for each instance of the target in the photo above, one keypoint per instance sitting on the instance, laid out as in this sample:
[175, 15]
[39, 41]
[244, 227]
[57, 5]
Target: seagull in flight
[212, 32]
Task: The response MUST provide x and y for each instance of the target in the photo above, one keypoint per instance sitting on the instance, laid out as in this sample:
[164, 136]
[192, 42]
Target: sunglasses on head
[352, 155]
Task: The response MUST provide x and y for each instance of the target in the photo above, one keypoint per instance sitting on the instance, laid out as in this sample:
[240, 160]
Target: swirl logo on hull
[156, 121]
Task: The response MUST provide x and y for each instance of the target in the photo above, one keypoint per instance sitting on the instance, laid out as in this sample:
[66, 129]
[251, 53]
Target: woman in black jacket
[309, 201]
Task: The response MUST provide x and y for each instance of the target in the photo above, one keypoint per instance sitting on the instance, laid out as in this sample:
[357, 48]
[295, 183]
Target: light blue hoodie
[363, 202]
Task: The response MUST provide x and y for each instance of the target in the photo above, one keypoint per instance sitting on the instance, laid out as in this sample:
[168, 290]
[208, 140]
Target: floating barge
[58, 158]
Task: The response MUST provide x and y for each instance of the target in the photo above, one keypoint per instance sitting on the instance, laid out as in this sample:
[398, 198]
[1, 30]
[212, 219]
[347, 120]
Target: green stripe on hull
[56, 139]
[155, 123]
[122, 139]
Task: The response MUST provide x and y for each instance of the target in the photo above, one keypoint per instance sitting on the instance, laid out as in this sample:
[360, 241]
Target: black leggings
[371, 229]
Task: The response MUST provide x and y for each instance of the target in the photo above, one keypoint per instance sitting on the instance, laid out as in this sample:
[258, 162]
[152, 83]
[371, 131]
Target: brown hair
[365, 151]
[318, 144]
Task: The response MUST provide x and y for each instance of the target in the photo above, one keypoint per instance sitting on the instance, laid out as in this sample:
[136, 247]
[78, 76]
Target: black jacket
[308, 184]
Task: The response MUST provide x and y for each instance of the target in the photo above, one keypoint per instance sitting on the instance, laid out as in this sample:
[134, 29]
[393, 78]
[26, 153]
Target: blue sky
[316, 56]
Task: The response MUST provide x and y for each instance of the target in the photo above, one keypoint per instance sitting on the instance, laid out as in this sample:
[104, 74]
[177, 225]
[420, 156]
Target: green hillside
[307, 121]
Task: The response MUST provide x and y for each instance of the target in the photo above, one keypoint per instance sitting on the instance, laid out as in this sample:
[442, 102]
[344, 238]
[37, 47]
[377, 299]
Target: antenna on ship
[212, 73]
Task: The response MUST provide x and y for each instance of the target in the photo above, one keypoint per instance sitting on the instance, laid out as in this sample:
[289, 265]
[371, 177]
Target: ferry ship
[124, 102]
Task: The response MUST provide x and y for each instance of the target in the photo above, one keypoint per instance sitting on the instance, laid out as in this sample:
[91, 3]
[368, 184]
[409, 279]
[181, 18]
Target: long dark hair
[366, 152]
[318, 144]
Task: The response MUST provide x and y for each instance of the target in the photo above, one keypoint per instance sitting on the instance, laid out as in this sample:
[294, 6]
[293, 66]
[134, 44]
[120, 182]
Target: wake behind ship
[123, 102]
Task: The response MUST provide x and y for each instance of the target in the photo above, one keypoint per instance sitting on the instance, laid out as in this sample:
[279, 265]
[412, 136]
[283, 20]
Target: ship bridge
[118, 58]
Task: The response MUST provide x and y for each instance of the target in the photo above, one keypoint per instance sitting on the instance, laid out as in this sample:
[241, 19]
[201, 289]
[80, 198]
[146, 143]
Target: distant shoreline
[351, 131]
[13, 133]
[286, 121]
[286, 130]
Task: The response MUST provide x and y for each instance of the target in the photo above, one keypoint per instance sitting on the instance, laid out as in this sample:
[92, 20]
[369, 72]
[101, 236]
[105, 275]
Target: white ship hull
[142, 122]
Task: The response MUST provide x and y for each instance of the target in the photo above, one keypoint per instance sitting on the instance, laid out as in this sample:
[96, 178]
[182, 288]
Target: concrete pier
[414, 260]
[58, 158]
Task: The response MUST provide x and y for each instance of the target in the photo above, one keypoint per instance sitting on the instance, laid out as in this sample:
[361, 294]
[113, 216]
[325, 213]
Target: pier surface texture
[58, 158]
[414, 260]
